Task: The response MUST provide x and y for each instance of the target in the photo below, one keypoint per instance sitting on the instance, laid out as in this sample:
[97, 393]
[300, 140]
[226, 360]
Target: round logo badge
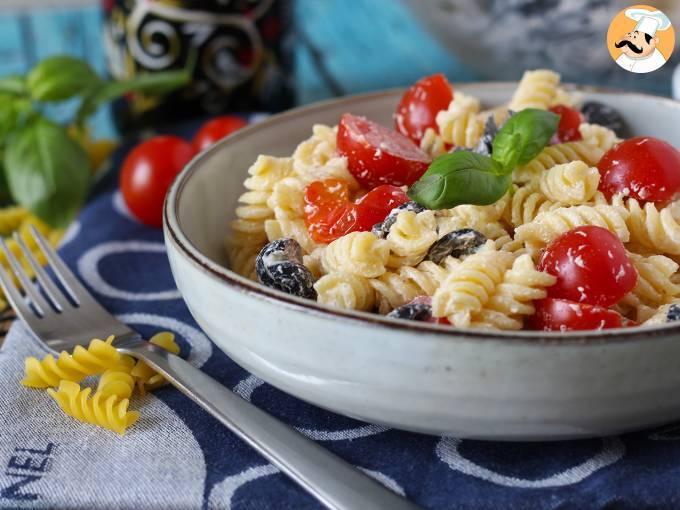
[641, 39]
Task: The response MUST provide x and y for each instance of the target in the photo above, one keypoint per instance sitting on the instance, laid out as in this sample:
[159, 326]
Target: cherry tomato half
[563, 315]
[330, 215]
[147, 173]
[377, 155]
[216, 129]
[591, 266]
[420, 104]
[570, 120]
[644, 168]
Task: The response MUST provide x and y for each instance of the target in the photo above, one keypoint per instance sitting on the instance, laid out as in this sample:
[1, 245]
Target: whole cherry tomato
[570, 120]
[377, 155]
[330, 215]
[563, 315]
[420, 104]
[645, 168]
[147, 173]
[591, 266]
[216, 129]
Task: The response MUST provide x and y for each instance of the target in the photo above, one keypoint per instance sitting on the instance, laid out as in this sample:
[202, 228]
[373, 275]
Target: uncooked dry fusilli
[99, 356]
[107, 407]
[147, 378]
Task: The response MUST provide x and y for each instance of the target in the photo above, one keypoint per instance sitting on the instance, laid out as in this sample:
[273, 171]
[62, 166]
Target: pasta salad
[532, 215]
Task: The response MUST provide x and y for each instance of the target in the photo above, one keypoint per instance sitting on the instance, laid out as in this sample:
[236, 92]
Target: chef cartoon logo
[641, 39]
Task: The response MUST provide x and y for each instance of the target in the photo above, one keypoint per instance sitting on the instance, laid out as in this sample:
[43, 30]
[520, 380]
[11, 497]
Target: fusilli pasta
[107, 408]
[536, 89]
[650, 227]
[572, 183]
[558, 154]
[410, 237]
[345, 290]
[470, 285]
[460, 124]
[360, 253]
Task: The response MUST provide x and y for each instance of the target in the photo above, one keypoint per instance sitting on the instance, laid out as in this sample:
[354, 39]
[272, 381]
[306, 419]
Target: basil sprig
[42, 166]
[465, 177]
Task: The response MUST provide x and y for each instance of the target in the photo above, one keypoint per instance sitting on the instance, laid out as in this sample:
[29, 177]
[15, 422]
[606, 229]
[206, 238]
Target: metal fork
[64, 320]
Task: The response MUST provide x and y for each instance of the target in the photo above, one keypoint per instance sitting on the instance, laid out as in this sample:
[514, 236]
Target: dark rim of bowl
[253, 289]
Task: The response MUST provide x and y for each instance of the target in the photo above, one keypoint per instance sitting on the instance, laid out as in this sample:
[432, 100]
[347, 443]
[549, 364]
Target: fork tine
[55, 296]
[14, 297]
[61, 270]
[29, 289]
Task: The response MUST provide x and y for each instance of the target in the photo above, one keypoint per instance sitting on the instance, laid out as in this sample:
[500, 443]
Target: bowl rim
[174, 234]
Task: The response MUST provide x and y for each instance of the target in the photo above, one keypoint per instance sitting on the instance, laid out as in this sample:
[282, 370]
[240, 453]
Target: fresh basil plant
[42, 168]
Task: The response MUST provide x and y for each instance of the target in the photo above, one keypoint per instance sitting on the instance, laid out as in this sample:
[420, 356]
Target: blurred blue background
[345, 47]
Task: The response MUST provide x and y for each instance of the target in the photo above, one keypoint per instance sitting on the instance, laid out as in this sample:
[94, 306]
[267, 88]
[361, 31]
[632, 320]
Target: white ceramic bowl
[414, 376]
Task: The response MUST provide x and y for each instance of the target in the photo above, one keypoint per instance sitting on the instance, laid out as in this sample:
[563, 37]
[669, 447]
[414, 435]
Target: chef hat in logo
[648, 22]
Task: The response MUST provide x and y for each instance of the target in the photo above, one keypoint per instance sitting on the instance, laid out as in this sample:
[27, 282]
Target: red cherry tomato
[591, 266]
[216, 129]
[377, 155]
[330, 215]
[148, 172]
[563, 315]
[645, 168]
[570, 120]
[420, 104]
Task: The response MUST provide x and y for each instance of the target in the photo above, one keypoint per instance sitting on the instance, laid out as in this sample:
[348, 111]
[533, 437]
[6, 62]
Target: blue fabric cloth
[181, 457]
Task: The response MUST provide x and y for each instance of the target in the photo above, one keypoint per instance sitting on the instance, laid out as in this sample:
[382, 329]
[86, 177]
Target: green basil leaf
[61, 77]
[460, 178]
[47, 172]
[523, 137]
[13, 85]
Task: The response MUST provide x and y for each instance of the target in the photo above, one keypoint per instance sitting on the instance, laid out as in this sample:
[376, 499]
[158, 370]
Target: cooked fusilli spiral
[432, 143]
[344, 290]
[314, 261]
[410, 237]
[572, 183]
[99, 356]
[536, 89]
[470, 286]
[317, 159]
[248, 233]
[558, 154]
[295, 229]
[107, 408]
[287, 199]
[651, 227]
[513, 298]
[598, 136]
[394, 289]
[460, 124]
[550, 224]
[654, 287]
[526, 203]
[360, 253]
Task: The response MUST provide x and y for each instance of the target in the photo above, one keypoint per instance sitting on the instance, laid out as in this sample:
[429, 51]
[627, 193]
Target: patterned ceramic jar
[243, 50]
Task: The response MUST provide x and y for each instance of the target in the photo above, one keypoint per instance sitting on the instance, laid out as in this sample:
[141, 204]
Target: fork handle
[334, 482]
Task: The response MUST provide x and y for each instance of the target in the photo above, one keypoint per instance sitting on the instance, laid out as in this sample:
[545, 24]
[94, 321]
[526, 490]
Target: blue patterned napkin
[177, 456]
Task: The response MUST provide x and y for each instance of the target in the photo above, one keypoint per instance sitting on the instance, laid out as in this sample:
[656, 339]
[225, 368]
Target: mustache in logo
[625, 42]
